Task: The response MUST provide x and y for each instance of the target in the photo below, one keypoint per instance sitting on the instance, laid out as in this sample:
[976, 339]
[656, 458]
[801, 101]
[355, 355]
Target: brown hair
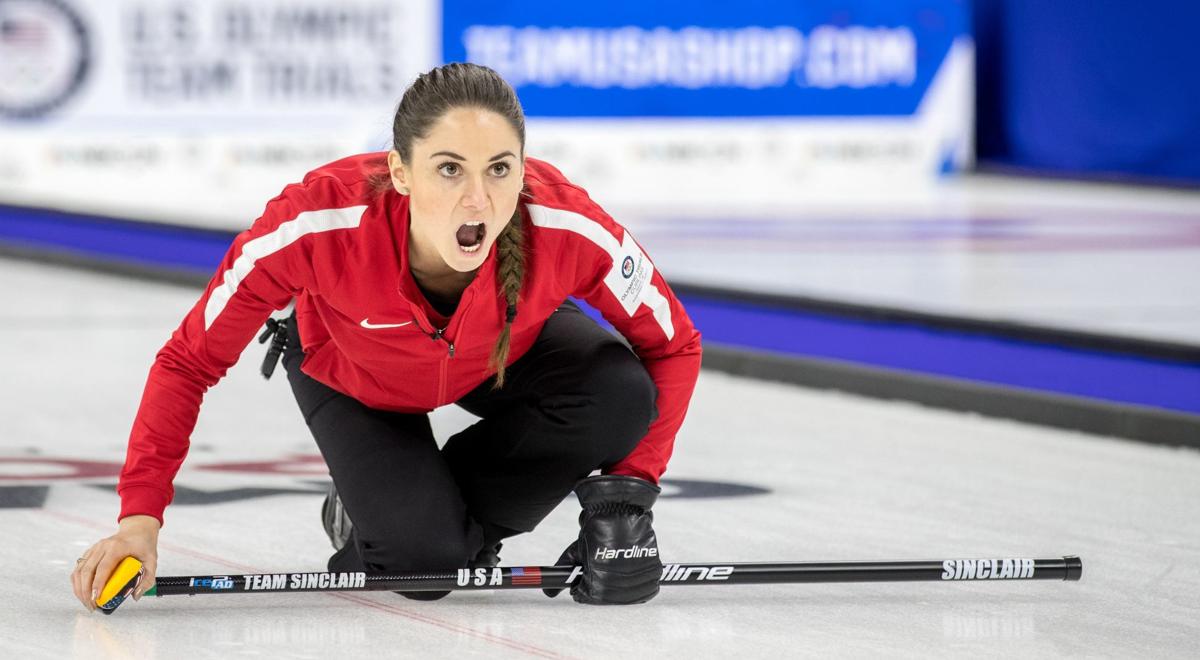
[432, 95]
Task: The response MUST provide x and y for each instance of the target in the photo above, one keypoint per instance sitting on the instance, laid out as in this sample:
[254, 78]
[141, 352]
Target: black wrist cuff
[609, 489]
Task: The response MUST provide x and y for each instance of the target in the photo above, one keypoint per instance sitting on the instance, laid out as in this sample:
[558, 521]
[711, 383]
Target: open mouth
[470, 235]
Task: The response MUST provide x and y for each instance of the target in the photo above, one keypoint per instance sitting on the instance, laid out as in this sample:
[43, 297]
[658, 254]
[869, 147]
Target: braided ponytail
[510, 250]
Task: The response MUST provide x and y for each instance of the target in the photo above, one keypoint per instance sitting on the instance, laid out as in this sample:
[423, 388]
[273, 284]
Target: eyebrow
[451, 154]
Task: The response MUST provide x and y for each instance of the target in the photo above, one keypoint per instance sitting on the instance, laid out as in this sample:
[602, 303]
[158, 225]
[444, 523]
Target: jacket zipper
[438, 335]
[441, 394]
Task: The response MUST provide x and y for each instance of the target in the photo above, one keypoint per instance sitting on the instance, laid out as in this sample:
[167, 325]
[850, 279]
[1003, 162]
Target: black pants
[577, 401]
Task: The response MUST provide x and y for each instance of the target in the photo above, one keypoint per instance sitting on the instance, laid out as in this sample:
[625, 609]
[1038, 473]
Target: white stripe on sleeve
[630, 279]
[308, 222]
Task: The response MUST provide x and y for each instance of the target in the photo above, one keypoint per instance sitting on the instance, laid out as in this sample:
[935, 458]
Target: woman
[440, 275]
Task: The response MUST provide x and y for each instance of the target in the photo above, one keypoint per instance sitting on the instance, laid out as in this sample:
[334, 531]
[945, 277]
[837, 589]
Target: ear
[399, 174]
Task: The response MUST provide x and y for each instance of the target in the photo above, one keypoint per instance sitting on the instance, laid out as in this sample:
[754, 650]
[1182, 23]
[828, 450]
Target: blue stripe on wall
[140, 243]
[909, 347]
[976, 357]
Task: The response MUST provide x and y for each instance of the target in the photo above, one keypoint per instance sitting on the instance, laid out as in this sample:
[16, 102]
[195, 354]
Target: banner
[200, 110]
[754, 103]
[709, 59]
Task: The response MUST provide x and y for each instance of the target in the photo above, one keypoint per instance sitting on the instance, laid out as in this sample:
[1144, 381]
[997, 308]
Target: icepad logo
[215, 583]
[44, 55]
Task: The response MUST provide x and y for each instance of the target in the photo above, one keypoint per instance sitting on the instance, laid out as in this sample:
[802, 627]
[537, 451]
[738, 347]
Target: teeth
[473, 248]
[473, 223]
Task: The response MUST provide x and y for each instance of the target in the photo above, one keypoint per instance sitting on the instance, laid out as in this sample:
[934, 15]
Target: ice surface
[849, 478]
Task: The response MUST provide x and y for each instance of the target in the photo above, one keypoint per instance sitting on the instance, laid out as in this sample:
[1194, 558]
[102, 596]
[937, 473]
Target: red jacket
[341, 252]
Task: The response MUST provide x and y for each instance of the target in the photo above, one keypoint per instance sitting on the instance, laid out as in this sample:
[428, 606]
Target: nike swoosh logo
[378, 326]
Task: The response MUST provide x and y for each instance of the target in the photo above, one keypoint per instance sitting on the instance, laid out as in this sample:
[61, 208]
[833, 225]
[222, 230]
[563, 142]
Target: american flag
[527, 575]
[15, 31]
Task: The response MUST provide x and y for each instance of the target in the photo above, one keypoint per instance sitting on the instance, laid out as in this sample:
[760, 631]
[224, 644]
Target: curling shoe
[333, 516]
[487, 557]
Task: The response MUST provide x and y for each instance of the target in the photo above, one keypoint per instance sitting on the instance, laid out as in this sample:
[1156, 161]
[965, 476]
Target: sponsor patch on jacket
[630, 275]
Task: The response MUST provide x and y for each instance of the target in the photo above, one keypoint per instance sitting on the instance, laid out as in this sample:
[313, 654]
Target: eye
[449, 169]
[500, 169]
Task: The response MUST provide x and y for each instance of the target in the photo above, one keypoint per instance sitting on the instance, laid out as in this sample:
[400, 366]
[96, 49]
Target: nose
[474, 196]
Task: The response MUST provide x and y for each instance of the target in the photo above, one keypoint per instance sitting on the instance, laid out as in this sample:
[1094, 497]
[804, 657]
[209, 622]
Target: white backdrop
[201, 111]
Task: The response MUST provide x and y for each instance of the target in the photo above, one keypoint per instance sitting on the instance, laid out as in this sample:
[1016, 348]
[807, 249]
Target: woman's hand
[137, 537]
[617, 525]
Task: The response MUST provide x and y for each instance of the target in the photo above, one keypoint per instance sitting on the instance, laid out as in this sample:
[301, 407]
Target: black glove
[616, 547]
